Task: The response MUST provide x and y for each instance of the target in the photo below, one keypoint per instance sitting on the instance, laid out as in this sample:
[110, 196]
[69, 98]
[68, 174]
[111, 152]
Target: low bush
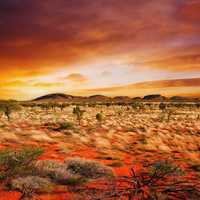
[65, 126]
[164, 167]
[60, 126]
[73, 171]
[88, 168]
[30, 185]
[57, 172]
[195, 167]
[99, 117]
[18, 163]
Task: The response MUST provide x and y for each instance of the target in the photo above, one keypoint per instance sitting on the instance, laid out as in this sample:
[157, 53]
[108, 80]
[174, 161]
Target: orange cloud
[47, 35]
[78, 78]
[12, 84]
[48, 85]
[175, 63]
[186, 87]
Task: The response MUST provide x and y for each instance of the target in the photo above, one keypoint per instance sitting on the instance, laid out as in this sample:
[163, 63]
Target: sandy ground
[121, 140]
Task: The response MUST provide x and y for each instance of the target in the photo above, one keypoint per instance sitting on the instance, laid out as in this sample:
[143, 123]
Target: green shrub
[18, 163]
[165, 167]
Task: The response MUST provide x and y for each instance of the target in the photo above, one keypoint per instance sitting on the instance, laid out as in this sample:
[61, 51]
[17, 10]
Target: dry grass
[124, 137]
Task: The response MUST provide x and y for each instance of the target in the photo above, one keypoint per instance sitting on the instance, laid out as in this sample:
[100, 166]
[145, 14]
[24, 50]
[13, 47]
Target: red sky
[69, 45]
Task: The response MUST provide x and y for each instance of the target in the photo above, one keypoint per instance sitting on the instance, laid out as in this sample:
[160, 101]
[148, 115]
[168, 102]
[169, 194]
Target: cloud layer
[39, 38]
[182, 87]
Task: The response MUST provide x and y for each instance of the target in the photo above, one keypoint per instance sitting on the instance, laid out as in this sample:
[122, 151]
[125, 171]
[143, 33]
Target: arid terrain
[99, 99]
[119, 137]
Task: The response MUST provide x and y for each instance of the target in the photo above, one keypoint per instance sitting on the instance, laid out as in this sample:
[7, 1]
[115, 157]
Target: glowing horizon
[82, 45]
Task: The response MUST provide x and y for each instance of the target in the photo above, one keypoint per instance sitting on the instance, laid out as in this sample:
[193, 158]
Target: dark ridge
[157, 97]
[55, 96]
[121, 99]
[137, 99]
[101, 98]
[178, 98]
[98, 97]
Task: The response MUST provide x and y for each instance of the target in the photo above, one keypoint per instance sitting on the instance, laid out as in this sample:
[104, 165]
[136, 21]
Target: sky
[81, 45]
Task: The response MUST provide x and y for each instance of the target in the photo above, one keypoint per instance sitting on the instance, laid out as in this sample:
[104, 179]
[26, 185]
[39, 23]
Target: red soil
[6, 195]
[52, 152]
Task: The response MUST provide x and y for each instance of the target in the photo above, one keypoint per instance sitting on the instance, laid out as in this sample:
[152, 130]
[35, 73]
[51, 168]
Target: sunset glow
[78, 46]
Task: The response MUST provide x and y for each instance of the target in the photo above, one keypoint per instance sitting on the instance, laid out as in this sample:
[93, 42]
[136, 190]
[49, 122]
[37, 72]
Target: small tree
[137, 106]
[99, 118]
[162, 106]
[170, 112]
[8, 107]
[197, 107]
[108, 104]
[52, 105]
[45, 106]
[79, 113]
[62, 106]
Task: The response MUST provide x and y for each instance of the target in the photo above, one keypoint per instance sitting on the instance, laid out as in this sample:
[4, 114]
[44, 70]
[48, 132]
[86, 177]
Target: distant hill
[178, 98]
[122, 99]
[59, 97]
[54, 97]
[171, 90]
[154, 97]
[99, 98]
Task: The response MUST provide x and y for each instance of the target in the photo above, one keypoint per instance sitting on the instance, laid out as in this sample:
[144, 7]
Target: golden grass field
[124, 137]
